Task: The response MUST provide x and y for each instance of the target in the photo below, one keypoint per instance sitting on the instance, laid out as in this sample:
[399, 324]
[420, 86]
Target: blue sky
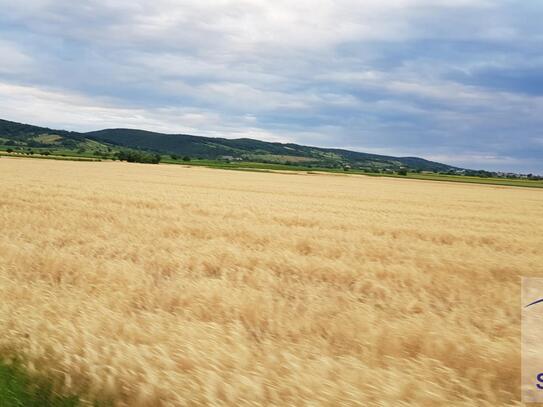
[455, 81]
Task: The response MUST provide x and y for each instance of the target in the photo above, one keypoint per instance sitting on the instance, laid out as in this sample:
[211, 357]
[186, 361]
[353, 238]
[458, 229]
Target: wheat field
[166, 285]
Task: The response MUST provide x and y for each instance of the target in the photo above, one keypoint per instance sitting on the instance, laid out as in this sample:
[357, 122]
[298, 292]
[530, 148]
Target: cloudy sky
[458, 81]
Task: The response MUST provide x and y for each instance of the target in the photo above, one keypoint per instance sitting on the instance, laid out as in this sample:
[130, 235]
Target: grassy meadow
[164, 285]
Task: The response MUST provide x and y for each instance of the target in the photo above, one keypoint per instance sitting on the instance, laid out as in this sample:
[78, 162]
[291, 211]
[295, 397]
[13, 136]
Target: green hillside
[110, 141]
[256, 150]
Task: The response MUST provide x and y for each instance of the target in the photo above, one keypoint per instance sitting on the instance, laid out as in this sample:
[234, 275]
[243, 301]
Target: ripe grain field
[163, 285]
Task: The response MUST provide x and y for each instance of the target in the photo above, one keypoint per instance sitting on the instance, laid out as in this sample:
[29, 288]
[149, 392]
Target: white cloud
[241, 25]
[71, 111]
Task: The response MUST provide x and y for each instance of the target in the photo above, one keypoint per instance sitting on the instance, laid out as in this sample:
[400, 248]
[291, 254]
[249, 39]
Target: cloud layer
[454, 80]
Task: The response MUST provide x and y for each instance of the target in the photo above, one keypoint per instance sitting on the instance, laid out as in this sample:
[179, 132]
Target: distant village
[402, 170]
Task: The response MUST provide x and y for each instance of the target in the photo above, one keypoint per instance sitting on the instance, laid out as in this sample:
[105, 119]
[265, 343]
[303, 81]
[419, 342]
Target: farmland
[169, 285]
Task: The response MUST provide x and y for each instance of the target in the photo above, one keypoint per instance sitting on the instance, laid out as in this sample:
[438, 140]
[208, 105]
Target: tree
[138, 157]
[186, 158]
[174, 156]
[402, 171]
[9, 150]
[155, 159]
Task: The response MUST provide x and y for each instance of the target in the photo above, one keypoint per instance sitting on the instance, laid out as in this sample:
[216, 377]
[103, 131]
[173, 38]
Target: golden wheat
[167, 285]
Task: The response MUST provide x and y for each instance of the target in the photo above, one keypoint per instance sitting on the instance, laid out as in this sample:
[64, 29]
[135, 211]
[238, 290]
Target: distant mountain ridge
[12, 133]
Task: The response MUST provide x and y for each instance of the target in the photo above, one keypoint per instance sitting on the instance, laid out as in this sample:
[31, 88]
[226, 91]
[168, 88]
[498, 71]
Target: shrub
[138, 157]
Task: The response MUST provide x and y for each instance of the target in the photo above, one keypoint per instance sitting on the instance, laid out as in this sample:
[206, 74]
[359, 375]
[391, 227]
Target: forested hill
[12, 133]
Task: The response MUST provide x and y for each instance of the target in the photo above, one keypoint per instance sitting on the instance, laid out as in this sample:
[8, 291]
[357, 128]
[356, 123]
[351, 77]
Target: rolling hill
[24, 136]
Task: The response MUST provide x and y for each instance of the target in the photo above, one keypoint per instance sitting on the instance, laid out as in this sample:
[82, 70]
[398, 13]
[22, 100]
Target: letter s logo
[540, 380]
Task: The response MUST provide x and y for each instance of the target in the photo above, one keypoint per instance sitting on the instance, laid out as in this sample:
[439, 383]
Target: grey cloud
[436, 78]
